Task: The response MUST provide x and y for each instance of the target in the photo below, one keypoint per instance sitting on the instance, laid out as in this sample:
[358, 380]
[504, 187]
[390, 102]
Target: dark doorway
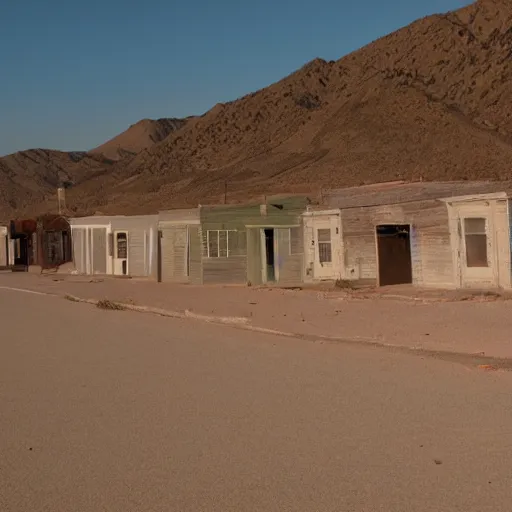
[394, 252]
[269, 252]
[21, 253]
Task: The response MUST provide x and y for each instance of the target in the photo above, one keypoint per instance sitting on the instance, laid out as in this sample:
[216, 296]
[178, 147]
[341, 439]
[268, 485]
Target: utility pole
[61, 199]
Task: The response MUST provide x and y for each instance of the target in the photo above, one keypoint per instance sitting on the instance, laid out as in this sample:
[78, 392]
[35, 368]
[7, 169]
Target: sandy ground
[471, 327]
[117, 411]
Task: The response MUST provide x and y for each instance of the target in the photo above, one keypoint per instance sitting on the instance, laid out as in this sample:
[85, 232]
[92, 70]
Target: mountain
[139, 136]
[28, 177]
[432, 101]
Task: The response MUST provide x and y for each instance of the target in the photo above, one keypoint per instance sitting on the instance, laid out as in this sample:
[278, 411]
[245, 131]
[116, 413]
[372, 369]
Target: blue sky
[74, 74]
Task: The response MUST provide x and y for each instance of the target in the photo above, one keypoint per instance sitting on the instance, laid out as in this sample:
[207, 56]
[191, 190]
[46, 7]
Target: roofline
[475, 197]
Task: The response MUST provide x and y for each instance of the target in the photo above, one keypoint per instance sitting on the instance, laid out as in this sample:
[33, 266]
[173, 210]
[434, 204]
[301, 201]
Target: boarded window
[296, 241]
[217, 243]
[475, 236]
[324, 246]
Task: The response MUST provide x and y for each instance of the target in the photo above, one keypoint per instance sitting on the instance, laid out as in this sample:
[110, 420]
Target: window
[217, 243]
[475, 237]
[324, 245]
[122, 245]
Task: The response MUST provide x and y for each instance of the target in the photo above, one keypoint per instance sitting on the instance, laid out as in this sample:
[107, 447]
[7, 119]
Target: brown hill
[430, 101]
[138, 137]
[28, 177]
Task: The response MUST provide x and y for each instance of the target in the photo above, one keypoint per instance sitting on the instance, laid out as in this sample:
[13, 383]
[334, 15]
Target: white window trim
[218, 231]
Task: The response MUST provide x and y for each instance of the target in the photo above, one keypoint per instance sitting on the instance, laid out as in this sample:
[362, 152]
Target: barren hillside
[139, 136]
[28, 177]
[432, 101]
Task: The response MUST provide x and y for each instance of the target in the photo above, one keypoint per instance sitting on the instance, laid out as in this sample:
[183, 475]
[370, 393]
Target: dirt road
[119, 411]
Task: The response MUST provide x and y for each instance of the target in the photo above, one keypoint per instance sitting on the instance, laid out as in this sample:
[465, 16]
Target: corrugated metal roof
[400, 192]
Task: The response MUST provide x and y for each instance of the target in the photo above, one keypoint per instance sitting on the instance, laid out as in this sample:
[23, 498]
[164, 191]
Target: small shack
[390, 233]
[44, 241]
[256, 243]
[116, 245]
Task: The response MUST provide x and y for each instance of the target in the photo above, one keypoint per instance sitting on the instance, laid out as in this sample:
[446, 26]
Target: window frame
[218, 231]
[324, 243]
[476, 233]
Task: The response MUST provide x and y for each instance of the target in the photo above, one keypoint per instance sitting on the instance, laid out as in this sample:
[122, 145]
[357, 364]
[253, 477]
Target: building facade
[116, 245]
[259, 243]
[406, 233]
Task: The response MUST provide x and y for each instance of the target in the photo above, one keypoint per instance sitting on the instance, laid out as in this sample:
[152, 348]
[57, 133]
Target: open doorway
[394, 254]
[269, 255]
[21, 253]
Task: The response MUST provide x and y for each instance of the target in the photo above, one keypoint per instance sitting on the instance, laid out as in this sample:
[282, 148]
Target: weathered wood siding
[502, 224]
[99, 250]
[3, 247]
[79, 249]
[142, 243]
[174, 254]
[225, 270]
[254, 274]
[241, 264]
[430, 241]
[289, 265]
[195, 255]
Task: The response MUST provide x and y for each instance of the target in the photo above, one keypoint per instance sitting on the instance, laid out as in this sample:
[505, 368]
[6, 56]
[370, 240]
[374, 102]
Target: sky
[76, 73]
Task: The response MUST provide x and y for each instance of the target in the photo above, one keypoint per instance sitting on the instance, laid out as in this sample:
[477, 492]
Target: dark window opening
[475, 238]
[324, 246]
[269, 253]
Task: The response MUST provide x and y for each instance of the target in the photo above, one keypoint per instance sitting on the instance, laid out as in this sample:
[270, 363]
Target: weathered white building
[480, 240]
[116, 245]
[418, 233]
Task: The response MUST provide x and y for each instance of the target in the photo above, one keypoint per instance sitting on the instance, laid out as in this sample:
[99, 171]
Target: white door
[120, 253]
[477, 249]
[326, 243]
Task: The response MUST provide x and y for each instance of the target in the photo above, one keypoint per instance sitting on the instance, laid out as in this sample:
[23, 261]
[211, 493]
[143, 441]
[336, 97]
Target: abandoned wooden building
[254, 243]
[43, 242]
[116, 245]
[427, 234]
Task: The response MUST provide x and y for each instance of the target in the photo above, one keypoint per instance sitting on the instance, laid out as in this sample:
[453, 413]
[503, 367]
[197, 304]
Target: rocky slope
[28, 177]
[138, 137]
[431, 101]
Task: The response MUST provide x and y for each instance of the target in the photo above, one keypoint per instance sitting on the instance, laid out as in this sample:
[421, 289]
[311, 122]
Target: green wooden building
[255, 244]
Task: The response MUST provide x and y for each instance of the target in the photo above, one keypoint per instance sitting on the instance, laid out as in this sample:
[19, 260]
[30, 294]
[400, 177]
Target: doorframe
[114, 251]
[262, 228]
[263, 243]
[376, 236]
[339, 261]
